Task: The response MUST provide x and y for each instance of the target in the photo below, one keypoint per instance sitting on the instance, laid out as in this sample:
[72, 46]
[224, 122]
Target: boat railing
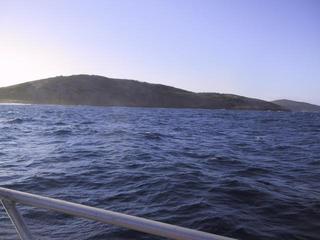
[10, 198]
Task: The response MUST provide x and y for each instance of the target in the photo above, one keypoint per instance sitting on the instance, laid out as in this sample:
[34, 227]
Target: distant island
[297, 106]
[102, 91]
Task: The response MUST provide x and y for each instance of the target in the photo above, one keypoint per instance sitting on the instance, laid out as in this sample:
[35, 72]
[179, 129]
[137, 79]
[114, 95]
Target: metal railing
[9, 198]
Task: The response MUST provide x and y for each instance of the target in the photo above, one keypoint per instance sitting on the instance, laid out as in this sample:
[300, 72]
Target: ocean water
[243, 174]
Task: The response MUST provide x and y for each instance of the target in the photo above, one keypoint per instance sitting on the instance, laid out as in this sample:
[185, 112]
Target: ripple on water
[248, 175]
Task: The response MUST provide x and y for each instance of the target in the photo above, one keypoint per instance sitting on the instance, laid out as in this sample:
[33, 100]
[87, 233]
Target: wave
[247, 175]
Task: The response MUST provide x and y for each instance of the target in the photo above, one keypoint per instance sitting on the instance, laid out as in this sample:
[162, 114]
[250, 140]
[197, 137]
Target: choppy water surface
[249, 175]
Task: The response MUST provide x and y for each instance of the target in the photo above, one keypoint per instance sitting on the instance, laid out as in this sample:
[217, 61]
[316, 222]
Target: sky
[268, 49]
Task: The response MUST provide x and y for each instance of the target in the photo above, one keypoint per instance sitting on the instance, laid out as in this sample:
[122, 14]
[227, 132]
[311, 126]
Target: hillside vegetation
[103, 91]
[297, 106]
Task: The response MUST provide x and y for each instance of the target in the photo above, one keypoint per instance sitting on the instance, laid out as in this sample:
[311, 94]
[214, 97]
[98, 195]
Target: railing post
[17, 220]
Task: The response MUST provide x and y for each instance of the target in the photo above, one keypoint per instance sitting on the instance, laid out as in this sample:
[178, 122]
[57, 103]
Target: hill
[103, 91]
[297, 106]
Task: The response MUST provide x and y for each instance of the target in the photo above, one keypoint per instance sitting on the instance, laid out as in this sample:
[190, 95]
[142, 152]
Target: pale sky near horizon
[267, 49]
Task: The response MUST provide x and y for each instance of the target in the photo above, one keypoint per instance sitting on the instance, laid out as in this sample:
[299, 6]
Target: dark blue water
[249, 175]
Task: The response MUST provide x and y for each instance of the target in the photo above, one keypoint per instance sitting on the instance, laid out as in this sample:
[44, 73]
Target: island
[102, 91]
[297, 106]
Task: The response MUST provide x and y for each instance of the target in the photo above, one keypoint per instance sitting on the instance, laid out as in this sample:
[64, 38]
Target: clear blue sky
[268, 49]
